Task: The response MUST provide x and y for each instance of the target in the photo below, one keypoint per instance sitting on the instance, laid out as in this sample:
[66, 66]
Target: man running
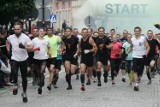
[51, 62]
[40, 56]
[140, 48]
[88, 47]
[70, 56]
[103, 44]
[20, 44]
[151, 57]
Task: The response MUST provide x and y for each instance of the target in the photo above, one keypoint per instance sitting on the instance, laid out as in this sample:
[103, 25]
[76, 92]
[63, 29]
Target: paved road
[120, 95]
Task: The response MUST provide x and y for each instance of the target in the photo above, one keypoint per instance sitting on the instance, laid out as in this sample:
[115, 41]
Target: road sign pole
[52, 25]
[89, 21]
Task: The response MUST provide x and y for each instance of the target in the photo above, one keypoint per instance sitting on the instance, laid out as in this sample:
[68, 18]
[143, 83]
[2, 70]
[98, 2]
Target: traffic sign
[53, 18]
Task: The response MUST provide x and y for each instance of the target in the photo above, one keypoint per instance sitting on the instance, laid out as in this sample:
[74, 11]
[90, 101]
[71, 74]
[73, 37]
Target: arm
[158, 44]
[94, 49]
[78, 48]
[147, 47]
[109, 46]
[62, 45]
[29, 48]
[8, 46]
[49, 52]
[29, 45]
[129, 49]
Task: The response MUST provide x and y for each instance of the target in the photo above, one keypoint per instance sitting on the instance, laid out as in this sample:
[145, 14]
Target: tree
[11, 10]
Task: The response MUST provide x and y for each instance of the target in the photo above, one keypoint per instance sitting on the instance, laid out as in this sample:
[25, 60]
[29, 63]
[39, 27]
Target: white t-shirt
[139, 48]
[43, 44]
[19, 54]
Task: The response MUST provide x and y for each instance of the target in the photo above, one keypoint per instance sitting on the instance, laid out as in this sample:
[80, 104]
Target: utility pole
[43, 12]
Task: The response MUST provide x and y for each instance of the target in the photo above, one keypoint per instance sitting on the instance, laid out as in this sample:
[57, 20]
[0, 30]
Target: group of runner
[97, 52]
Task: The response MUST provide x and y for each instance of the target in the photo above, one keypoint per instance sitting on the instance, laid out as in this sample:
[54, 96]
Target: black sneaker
[69, 87]
[39, 90]
[99, 83]
[49, 87]
[136, 88]
[15, 91]
[88, 82]
[94, 81]
[113, 83]
[123, 79]
[24, 97]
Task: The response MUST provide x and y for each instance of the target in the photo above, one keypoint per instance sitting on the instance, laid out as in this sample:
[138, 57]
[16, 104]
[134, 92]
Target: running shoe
[49, 87]
[69, 87]
[123, 79]
[39, 90]
[136, 88]
[88, 82]
[99, 83]
[24, 97]
[15, 90]
[83, 88]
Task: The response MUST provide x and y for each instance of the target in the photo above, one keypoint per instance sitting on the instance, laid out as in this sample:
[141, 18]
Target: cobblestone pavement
[120, 95]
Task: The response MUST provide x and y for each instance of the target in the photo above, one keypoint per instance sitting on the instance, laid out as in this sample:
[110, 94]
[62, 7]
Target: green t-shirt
[53, 44]
[126, 45]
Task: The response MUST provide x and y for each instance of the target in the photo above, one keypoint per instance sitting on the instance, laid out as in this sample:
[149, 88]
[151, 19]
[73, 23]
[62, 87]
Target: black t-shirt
[71, 44]
[101, 45]
[153, 43]
[123, 40]
[85, 45]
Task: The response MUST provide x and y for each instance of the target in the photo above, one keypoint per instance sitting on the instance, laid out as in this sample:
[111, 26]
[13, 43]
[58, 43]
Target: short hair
[149, 31]
[95, 32]
[18, 23]
[137, 27]
[49, 28]
[129, 34]
[3, 31]
[68, 28]
[125, 31]
[101, 28]
[75, 29]
[112, 30]
[84, 29]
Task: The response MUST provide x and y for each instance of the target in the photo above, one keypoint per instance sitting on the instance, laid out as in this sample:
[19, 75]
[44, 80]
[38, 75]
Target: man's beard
[101, 35]
[17, 34]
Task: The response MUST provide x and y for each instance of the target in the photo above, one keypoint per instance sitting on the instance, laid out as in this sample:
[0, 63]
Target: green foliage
[10, 9]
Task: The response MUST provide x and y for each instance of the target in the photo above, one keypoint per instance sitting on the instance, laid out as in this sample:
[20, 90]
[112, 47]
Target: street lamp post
[43, 12]
[30, 24]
